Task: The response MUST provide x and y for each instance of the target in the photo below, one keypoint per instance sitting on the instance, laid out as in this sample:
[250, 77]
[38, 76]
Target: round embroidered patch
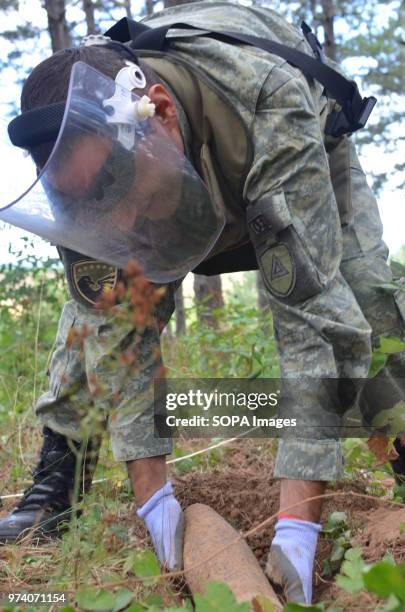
[278, 270]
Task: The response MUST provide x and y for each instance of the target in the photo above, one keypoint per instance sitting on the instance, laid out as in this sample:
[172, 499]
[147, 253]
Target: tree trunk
[315, 17]
[328, 14]
[149, 7]
[127, 6]
[262, 294]
[208, 296]
[57, 25]
[88, 8]
[180, 312]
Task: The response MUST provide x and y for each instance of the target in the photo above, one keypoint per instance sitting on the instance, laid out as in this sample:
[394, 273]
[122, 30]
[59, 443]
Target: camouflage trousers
[91, 387]
[331, 333]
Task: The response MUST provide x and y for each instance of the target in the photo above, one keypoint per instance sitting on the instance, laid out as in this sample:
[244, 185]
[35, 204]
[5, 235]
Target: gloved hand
[291, 558]
[164, 519]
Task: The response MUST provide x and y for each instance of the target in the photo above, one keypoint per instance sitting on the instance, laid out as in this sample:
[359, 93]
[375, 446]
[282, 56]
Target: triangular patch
[277, 269]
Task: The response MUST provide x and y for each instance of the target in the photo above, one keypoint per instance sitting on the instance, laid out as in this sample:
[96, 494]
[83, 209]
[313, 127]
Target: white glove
[164, 519]
[291, 558]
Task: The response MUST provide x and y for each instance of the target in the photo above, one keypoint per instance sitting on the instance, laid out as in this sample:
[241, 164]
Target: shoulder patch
[90, 279]
[278, 269]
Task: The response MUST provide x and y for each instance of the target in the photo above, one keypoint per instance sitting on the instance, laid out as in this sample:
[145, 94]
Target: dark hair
[49, 81]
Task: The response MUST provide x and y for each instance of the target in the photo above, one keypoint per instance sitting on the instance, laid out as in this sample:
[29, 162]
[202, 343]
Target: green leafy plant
[388, 346]
[383, 578]
[350, 578]
[337, 530]
[387, 580]
[218, 598]
[102, 599]
[233, 349]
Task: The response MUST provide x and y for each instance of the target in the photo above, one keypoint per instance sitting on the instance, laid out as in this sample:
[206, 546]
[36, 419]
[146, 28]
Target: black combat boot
[46, 504]
[399, 464]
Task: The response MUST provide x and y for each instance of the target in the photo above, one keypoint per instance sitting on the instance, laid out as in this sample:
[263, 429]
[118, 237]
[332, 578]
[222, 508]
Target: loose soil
[245, 494]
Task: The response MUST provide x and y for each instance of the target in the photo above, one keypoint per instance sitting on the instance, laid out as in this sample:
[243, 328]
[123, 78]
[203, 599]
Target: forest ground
[236, 481]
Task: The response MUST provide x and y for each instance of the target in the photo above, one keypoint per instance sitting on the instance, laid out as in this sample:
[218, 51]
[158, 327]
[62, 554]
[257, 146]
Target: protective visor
[115, 186]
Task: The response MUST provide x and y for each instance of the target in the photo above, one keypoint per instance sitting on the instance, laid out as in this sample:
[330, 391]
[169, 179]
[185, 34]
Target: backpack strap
[354, 112]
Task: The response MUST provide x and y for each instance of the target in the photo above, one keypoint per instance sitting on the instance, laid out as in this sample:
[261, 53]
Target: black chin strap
[355, 109]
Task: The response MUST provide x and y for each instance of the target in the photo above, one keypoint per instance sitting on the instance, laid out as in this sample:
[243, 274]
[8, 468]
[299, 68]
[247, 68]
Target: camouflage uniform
[324, 256]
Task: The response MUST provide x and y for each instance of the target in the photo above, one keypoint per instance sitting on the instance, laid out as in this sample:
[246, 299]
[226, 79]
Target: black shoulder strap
[355, 109]
[126, 29]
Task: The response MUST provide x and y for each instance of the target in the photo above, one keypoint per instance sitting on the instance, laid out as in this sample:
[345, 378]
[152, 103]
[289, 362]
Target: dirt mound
[245, 494]
[381, 534]
[241, 497]
[245, 497]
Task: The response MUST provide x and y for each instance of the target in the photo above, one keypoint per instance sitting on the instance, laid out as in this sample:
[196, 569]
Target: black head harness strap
[355, 109]
[36, 126]
[42, 124]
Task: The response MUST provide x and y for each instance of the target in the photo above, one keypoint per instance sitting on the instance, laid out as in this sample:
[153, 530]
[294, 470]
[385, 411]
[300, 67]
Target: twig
[34, 391]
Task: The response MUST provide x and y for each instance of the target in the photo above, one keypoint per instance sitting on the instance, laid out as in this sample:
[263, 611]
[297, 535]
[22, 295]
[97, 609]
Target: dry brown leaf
[382, 448]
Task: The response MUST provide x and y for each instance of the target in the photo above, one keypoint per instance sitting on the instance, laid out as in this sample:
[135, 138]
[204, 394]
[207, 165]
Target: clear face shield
[115, 187]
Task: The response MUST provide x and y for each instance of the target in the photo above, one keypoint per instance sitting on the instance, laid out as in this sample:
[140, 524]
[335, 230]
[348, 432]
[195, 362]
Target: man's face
[81, 166]
[95, 176]
[151, 174]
